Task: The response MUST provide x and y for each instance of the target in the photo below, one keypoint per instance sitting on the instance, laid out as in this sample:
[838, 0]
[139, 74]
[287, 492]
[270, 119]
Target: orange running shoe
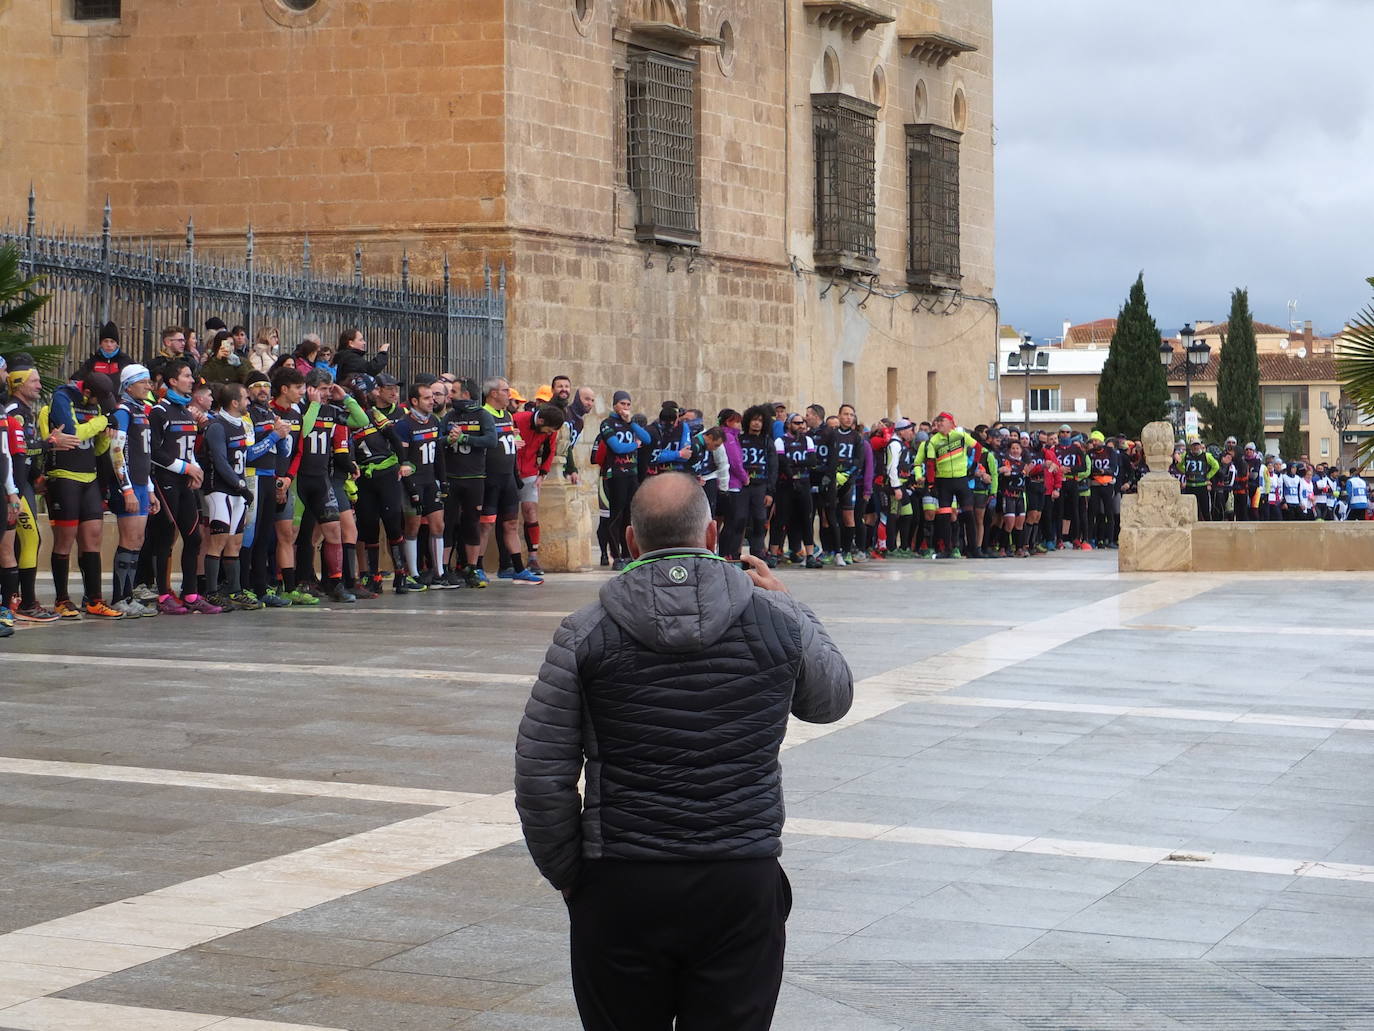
[99, 608]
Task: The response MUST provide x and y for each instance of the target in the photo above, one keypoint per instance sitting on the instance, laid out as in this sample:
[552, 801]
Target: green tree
[1132, 390]
[1238, 412]
[1206, 418]
[19, 303]
[1292, 441]
[1355, 366]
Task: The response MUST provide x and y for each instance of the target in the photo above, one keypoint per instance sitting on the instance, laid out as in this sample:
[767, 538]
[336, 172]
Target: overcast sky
[1210, 143]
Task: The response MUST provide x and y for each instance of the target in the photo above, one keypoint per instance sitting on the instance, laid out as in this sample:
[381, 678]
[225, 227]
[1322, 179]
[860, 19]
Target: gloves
[245, 491]
[841, 479]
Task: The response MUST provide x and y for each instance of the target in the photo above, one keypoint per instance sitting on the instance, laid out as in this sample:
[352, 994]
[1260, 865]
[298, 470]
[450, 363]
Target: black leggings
[1100, 508]
[380, 504]
[620, 491]
[795, 508]
[755, 498]
[179, 514]
[263, 554]
[463, 511]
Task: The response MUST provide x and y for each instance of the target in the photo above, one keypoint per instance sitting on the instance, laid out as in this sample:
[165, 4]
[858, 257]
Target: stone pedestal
[566, 529]
[1157, 521]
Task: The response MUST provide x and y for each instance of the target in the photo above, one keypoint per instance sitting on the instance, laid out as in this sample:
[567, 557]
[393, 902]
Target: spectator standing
[676, 899]
[351, 357]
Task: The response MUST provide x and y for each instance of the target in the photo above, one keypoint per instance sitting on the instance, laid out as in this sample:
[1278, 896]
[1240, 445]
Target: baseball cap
[945, 415]
[544, 393]
[1065, 428]
[387, 380]
[904, 424]
[1098, 436]
[515, 396]
[362, 381]
[1250, 446]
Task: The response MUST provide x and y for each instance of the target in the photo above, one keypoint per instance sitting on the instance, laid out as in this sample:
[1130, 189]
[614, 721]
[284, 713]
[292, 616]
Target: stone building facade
[539, 134]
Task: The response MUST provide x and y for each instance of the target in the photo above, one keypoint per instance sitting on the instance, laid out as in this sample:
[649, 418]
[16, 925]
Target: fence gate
[142, 286]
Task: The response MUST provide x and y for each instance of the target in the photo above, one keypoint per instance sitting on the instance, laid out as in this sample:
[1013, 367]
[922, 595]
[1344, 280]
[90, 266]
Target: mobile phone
[745, 566]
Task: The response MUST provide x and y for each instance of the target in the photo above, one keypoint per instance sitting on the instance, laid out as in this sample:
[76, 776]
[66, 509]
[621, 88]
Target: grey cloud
[1214, 144]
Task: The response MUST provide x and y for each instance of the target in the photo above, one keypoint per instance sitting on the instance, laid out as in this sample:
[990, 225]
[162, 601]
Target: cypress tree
[1292, 442]
[1132, 390]
[1238, 386]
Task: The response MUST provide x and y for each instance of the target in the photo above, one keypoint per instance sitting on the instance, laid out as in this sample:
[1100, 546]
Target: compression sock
[288, 579]
[233, 574]
[333, 561]
[28, 582]
[125, 569]
[412, 552]
[211, 584]
[9, 583]
[532, 539]
[422, 549]
[517, 563]
[374, 558]
[89, 563]
[398, 559]
[350, 566]
[436, 549]
[502, 555]
[61, 570]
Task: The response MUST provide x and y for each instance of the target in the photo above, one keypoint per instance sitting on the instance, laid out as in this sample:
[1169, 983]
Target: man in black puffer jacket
[674, 689]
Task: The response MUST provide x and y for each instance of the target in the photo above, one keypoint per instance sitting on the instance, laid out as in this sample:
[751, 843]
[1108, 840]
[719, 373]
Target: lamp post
[1028, 349]
[1341, 416]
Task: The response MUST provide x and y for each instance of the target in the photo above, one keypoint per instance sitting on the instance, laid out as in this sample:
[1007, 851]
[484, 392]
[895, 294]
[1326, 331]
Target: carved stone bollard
[1157, 521]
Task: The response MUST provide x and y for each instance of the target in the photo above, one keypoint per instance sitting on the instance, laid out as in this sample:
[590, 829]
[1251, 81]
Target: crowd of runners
[286, 478]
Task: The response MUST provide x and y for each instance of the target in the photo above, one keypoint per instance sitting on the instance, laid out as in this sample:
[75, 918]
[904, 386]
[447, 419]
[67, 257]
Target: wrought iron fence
[143, 286]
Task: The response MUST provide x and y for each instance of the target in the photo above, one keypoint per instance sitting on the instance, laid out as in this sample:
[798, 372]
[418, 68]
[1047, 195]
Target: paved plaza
[1065, 799]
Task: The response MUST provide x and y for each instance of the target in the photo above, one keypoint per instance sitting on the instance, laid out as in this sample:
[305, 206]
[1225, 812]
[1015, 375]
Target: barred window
[932, 158]
[845, 182]
[661, 119]
[95, 10]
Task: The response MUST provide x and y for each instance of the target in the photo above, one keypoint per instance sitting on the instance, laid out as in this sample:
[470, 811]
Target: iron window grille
[932, 157]
[95, 10]
[846, 170]
[661, 123]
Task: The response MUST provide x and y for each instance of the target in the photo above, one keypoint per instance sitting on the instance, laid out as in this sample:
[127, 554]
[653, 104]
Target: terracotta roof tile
[1274, 368]
[1261, 329]
[1099, 332]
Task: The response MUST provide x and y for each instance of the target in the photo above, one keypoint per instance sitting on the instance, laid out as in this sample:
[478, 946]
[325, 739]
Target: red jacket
[1054, 474]
[536, 457]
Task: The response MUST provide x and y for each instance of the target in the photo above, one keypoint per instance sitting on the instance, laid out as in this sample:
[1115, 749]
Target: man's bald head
[670, 511]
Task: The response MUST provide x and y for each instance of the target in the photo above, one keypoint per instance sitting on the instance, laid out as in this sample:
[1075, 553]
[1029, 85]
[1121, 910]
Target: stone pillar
[566, 530]
[1157, 521]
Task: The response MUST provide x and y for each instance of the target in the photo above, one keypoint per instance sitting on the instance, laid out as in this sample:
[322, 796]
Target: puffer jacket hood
[678, 600]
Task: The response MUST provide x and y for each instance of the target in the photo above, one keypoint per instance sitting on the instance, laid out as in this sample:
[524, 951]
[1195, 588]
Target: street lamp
[1341, 416]
[1198, 355]
[1166, 358]
[1028, 349]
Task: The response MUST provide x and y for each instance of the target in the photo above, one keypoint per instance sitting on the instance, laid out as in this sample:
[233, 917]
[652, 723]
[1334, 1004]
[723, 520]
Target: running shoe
[475, 578]
[272, 599]
[527, 576]
[144, 595]
[534, 567]
[6, 631]
[341, 595]
[6, 617]
[878, 555]
[506, 574]
[202, 605]
[617, 565]
[1084, 546]
[126, 607]
[35, 614]
[812, 562]
[171, 606]
[1040, 549]
[66, 610]
[413, 586]
[956, 553]
[244, 601]
[314, 590]
[299, 597]
[840, 563]
[362, 592]
[144, 609]
[771, 561]
[605, 559]
[857, 558]
[219, 601]
[99, 609]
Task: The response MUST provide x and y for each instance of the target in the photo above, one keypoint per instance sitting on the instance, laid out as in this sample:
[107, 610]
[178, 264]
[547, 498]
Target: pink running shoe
[168, 605]
[201, 605]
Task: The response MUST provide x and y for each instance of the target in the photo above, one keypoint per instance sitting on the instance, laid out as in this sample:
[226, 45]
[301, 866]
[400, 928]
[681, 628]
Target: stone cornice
[849, 16]
[934, 49]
